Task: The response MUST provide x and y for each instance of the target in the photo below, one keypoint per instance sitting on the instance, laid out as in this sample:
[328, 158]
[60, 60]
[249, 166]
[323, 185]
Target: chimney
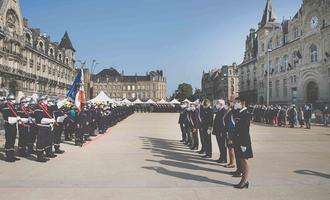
[25, 22]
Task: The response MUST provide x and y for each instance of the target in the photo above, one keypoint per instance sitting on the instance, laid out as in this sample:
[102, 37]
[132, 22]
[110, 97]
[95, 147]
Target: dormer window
[67, 61]
[60, 56]
[28, 38]
[51, 52]
[41, 46]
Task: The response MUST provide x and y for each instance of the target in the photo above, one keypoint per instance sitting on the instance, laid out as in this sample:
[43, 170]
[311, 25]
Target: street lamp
[268, 74]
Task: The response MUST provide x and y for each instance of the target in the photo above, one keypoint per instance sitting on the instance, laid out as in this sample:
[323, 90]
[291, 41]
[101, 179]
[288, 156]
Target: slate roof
[66, 42]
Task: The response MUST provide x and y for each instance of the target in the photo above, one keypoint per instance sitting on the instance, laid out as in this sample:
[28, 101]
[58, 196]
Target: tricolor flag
[77, 91]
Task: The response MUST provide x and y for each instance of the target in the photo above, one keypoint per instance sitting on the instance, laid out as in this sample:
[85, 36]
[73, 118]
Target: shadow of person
[186, 176]
[312, 173]
[186, 166]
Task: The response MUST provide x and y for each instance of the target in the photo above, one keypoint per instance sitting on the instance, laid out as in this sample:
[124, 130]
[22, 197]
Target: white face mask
[193, 108]
[232, 104]
[219, 106]
[237, 106]
[183, 106]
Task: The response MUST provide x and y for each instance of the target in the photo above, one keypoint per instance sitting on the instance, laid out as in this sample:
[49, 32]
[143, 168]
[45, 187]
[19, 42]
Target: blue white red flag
[76, 91]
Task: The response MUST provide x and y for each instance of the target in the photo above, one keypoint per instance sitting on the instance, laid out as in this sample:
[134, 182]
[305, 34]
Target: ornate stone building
[30, 62]
[220, 83]
[117, 85]
[297, 53]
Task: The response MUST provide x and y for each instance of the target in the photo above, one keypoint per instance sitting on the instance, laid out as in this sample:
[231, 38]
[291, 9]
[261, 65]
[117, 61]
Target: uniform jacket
[219, 122]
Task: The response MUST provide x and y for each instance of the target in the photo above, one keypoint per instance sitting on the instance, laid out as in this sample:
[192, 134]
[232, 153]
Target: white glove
[243, 148]
[209, 130]
[18, 118]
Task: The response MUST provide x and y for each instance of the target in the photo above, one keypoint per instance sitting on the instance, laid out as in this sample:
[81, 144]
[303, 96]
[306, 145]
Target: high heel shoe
[242, 186]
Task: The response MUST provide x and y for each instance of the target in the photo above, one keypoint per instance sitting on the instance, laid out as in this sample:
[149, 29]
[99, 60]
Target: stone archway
[312, 92]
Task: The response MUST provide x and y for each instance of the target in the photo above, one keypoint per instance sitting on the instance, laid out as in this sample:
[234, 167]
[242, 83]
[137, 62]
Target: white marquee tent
[175, 101]
[150, 101]
[137, 101]
[162, 101]
[102, 98]
[187, 101]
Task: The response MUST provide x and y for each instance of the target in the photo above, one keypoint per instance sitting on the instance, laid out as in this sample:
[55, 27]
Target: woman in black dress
[242, 130]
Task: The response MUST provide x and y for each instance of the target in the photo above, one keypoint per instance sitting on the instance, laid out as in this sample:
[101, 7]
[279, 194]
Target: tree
[184, 91]
[197, 95]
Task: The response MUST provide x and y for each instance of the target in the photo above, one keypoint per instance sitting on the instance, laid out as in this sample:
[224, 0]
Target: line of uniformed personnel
[39, 125]
[230, 125]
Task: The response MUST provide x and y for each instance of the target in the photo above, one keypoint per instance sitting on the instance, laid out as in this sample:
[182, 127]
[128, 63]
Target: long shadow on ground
[174, 154]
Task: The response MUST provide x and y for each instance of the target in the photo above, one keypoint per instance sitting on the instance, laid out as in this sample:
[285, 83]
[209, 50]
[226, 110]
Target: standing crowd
[40, 125]
[230, 126]
[282, 116]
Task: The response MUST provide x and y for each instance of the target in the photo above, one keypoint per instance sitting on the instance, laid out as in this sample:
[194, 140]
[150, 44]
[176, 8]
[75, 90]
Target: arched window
[60, 56]
[41, 46]
[51, 52]
[67, 61]
[28, 38]
[313, 53]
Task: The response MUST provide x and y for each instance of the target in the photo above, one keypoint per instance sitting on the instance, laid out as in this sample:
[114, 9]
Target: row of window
[51, 51]
[284, 65]
[130, 87]
[280, 40]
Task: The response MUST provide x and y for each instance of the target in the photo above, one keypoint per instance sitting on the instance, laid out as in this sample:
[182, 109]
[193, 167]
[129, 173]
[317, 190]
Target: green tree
[197, 95]
[184, 91]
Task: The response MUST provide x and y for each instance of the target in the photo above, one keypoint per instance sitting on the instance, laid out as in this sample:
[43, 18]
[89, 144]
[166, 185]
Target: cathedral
[30, 62]
[292, 56]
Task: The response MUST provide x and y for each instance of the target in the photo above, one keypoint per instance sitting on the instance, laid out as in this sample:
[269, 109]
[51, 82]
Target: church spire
[268, 15]
[66, 42]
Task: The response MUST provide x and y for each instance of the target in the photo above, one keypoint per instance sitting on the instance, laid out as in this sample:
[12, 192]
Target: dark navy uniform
[23, 130]
[10, 131]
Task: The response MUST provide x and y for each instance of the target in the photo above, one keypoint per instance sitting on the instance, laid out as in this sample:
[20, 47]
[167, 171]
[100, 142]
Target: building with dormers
[296, 52]
[220, 83]
[30, 62]
[117, 85]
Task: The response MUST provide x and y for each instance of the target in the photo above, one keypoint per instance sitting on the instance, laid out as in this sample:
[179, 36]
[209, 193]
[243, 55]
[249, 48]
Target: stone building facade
[294, 53]
[30, 62]
[220, 83]
[117, 85]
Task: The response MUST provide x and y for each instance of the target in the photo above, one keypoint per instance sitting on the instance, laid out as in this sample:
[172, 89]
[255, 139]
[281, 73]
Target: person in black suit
[182, 118]
[219, 130]
[207, 123]
[308, 116]
[242, 131]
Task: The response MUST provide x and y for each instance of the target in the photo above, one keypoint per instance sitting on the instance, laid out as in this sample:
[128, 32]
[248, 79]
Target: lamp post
[268, 74]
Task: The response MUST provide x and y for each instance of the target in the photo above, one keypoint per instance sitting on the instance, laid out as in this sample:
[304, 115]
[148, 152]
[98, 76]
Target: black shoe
[68, 139]
[42, 159]
[181, 140]
[51, 155]
[207, 156]
[237, 175]
[8, 159]
[242, 186]
[201, 152]
[59, 151]
[93, 135]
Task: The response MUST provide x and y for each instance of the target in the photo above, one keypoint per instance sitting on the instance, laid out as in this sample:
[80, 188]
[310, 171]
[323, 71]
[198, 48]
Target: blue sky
[181, 37]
